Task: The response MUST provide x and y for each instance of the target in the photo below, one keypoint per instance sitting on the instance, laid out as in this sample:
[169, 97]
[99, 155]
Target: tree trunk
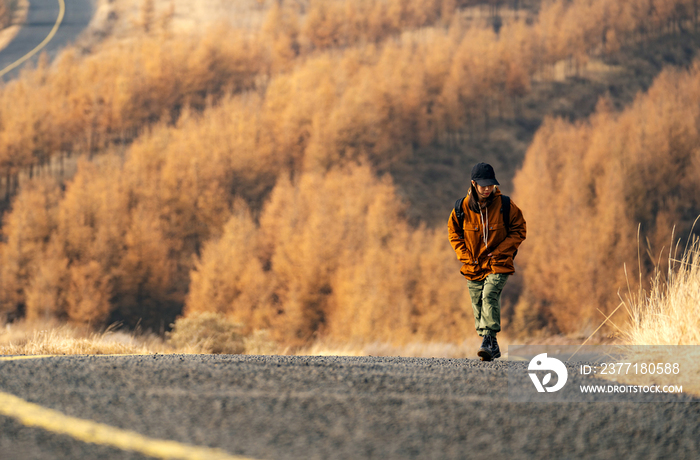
[7, 186]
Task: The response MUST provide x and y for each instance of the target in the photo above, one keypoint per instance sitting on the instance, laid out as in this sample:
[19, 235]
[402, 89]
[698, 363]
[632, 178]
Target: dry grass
[213, 333]
[465, 349]
[206, 333]
[52, 338]
[668, 315]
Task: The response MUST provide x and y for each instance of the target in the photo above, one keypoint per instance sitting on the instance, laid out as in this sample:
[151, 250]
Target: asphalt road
[40, 20]
[329, 408]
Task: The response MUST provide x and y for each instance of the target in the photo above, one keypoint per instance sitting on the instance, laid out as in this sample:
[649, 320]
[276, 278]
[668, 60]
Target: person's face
[483, 192]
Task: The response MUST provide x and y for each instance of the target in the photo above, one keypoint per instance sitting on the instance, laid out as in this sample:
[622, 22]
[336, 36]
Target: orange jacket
[472, 251]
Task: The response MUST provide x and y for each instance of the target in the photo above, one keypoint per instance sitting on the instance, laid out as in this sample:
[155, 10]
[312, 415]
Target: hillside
[293, 170]
[436, 175]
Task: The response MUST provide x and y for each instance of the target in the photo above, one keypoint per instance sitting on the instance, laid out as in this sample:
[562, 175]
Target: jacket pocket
[498, 232]
[471, 238]
[468, 269]
[502, 264]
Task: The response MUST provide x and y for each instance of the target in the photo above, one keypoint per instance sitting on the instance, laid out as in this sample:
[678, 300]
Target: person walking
[485, 230]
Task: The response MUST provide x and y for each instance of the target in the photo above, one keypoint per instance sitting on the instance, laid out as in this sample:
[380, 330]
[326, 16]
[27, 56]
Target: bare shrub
[260, 342]
[206, 332]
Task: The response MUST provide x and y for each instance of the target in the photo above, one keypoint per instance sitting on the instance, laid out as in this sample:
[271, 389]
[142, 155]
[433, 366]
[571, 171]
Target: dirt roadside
[18, 19]
[119, 20]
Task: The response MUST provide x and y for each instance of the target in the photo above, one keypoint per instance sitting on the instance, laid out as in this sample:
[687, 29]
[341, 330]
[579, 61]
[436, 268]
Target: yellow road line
[15, 358]
[33, 415]
[59, 19]
[19, 357]
[86, 355]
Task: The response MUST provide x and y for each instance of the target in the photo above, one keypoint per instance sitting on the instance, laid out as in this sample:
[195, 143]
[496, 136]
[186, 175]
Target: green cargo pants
[486, 303]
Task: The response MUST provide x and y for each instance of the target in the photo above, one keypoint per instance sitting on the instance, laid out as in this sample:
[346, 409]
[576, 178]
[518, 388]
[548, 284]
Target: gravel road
[281, 407]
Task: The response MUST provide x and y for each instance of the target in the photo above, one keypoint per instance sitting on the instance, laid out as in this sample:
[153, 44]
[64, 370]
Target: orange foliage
[586, 188]
[229, 276]
[128, 227]
[111, 94]
[340, 23]
[27, 232]
[332, 254]
[83, 103]
[240, 192]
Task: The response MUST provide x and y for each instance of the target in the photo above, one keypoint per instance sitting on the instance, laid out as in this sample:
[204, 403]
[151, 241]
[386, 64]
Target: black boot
[495, 349]
[485, 351]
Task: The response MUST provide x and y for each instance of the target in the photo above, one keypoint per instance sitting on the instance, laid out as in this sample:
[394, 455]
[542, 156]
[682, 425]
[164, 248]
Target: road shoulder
[20, 17]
